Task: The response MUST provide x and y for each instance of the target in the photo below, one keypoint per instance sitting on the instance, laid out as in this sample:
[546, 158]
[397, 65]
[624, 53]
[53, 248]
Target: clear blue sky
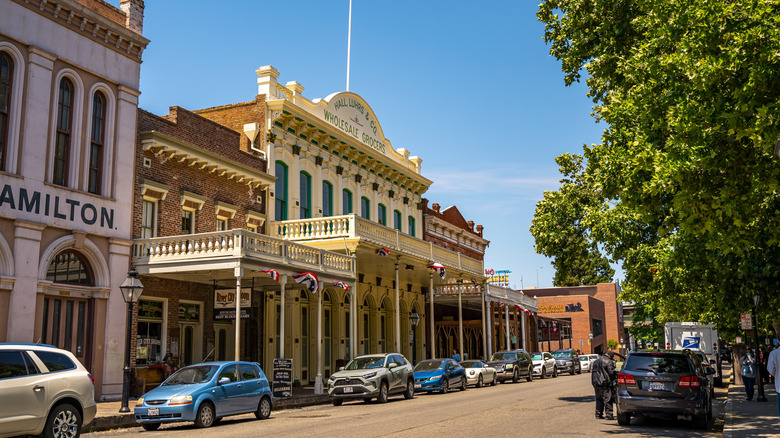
[467, 86]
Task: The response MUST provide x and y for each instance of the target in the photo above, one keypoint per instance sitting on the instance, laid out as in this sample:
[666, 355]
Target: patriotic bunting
[501, 305]
[309, 280]
[341, 284]
[274, 274]
[474, 282]
[382, 251]
[439, 268]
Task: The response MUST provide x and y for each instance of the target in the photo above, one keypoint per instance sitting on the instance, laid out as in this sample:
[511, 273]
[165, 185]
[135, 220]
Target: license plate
[656, 386]
[348, 389]
[153, 411]
[417, 385]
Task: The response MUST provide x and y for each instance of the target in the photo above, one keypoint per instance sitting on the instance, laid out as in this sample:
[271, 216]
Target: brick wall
[555, 307]
[236, 115]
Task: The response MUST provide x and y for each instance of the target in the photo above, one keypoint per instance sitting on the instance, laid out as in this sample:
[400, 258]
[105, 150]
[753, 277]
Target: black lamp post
[761, 396]
[131, 290]
[414, 319]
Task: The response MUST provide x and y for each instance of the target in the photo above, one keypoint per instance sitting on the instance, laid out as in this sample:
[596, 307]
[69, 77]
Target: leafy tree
[691, 97]
[612, 344]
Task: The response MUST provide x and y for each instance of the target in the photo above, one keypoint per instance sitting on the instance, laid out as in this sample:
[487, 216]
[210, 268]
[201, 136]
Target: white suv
[43, 390]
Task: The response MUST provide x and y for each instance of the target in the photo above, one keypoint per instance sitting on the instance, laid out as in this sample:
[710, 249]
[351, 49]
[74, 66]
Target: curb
[728, 420]
[128, 420]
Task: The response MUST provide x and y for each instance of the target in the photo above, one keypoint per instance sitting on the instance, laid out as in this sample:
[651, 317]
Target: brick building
[591, 309]
[69, 78]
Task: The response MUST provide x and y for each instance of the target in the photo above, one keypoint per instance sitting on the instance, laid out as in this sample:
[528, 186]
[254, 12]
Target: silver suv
[372, 375]
[43, 390]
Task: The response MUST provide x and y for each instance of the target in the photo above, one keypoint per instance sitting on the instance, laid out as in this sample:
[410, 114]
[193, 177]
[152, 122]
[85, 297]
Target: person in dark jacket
[603, 378]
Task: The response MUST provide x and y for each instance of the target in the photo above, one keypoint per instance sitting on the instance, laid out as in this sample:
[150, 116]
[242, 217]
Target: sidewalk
[108, 416]
[751, 418]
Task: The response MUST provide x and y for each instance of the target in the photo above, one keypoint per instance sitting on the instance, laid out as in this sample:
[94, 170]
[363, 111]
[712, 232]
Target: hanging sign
[746, 321]
[225, 304]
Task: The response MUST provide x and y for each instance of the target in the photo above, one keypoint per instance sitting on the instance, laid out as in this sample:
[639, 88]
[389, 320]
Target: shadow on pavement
[583, 399]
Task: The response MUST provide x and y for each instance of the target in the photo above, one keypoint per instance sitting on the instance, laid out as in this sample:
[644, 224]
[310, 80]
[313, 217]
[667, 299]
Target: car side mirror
[392, 365]
[223, 381]
[341, 368]
[709, 371]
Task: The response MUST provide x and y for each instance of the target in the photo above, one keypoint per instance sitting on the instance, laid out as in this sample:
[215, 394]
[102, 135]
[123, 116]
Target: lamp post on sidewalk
[131, 290]
[761, 395]
[414, 318]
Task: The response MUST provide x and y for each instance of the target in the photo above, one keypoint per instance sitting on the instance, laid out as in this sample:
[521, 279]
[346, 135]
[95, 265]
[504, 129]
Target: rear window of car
[15, 364]
[658, 363]
[248, 372]
[55, 361]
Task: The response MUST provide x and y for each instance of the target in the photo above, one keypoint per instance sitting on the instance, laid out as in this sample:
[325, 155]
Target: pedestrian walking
[455, 355]
[773, 366]
[604, 378]
[748, 364]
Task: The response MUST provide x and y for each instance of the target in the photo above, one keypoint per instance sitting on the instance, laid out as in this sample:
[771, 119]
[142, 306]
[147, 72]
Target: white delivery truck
[695, 336]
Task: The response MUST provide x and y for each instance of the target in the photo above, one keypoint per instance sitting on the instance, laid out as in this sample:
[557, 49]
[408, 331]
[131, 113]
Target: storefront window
[150, 333]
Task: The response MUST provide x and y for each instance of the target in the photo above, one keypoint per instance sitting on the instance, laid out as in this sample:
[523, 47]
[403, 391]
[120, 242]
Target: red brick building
[591, 310]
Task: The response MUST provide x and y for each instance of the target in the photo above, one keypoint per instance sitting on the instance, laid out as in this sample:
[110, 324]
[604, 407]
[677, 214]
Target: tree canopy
[684, 180]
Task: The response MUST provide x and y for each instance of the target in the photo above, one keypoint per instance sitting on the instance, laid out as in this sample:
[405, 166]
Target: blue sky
[467, 86]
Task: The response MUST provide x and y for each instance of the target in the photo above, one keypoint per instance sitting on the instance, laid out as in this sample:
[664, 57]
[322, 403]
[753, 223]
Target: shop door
[225, 341]
[66, 322]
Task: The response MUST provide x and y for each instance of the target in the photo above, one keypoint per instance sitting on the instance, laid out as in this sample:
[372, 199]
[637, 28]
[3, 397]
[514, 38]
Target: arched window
[382, 214]
[69, 267]
[62, 144]
[346, 202]
[327, 199]
[6, 80]
[365, 208]
[397, 220]
[305, 195]
[411, 226]
[280, 191]
[96, 145]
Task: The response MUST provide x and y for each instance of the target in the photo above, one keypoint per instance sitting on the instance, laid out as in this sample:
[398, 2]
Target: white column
[281, 316]
[353, 322]
[522, 328]
[489, 332]
[318, 379]
[238, 272]
[506, 319]
[397, 313]
[433, 324]
[460, 320]
[485, 353]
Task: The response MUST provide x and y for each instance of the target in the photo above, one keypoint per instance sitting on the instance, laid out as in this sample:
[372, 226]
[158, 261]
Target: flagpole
[349, 41]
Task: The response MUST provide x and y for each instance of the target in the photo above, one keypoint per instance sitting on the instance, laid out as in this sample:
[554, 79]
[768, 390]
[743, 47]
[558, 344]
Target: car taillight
[690, 381]
[91, 378]
[626, 379]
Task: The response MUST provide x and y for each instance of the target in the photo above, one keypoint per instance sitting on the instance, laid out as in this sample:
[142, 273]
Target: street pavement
[563, 406]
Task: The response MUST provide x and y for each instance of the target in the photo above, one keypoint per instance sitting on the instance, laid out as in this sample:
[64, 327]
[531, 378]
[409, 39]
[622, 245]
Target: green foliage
[612, 344]
[686, 191]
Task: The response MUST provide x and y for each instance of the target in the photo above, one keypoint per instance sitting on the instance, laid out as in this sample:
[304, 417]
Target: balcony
[355, 227]
[224, 249]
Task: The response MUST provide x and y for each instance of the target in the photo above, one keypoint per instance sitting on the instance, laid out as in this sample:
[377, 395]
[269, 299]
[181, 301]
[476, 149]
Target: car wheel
[64, 421]
[479, 381]
[382, 398]
[151, 427]
[494, 382]
[409, 393]
[205, 415]
[530, 377]
[463, 383]
[337, 401]
[263, 409]
[555, 372]
[624, 419]
[445, 386]
[579, 369]
[515, 376]
[543, 373]
[573, 370]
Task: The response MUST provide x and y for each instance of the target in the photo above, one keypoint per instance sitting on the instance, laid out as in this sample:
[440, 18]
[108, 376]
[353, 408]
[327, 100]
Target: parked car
[372, 375]
[567, 361]
[479, 373]
[544, 364]
[206, 392]
[439, 375]
[511, 365]
[586, 361]
[666, 383]
[44, 390]
[707, 364]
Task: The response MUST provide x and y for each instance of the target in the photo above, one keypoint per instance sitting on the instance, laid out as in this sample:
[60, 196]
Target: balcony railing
[236, 244]
[353, 226]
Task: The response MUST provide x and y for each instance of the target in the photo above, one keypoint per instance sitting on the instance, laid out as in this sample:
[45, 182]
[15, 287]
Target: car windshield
[362, 363]
[658, 364]
[429, 365]
[504, 356]
[536, 356]
[192, 375]
[470, 364]
[561, 354]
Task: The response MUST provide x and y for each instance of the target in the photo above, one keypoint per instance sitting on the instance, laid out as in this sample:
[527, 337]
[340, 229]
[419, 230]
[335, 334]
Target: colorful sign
[746, 321]
[225, 303]
[350, 114]
[691, 342]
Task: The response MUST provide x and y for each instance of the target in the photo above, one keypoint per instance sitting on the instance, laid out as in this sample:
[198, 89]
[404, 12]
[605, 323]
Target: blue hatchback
[206, 392]
[439, 375]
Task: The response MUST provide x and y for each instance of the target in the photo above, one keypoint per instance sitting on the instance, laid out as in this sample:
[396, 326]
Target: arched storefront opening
[366, 333]
[385, 326]
[303, 332]
[327, 330]
[347, 328]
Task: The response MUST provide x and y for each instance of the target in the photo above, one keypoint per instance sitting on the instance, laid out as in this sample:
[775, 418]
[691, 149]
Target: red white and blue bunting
[274, 274]
[439, 268]
[309, 280]
[341, 284]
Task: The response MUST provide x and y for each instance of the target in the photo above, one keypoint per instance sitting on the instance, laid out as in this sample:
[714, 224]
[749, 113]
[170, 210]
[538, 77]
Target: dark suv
[567, 360]
[664, 382]
[511, 365]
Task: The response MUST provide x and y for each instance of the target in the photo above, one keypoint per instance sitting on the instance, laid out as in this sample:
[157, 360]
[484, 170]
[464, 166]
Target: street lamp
[131, 290]
[761, 396]
[414, 319]
[590, 341]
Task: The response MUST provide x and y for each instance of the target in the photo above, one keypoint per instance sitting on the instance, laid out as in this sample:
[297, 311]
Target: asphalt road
[563, 406]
